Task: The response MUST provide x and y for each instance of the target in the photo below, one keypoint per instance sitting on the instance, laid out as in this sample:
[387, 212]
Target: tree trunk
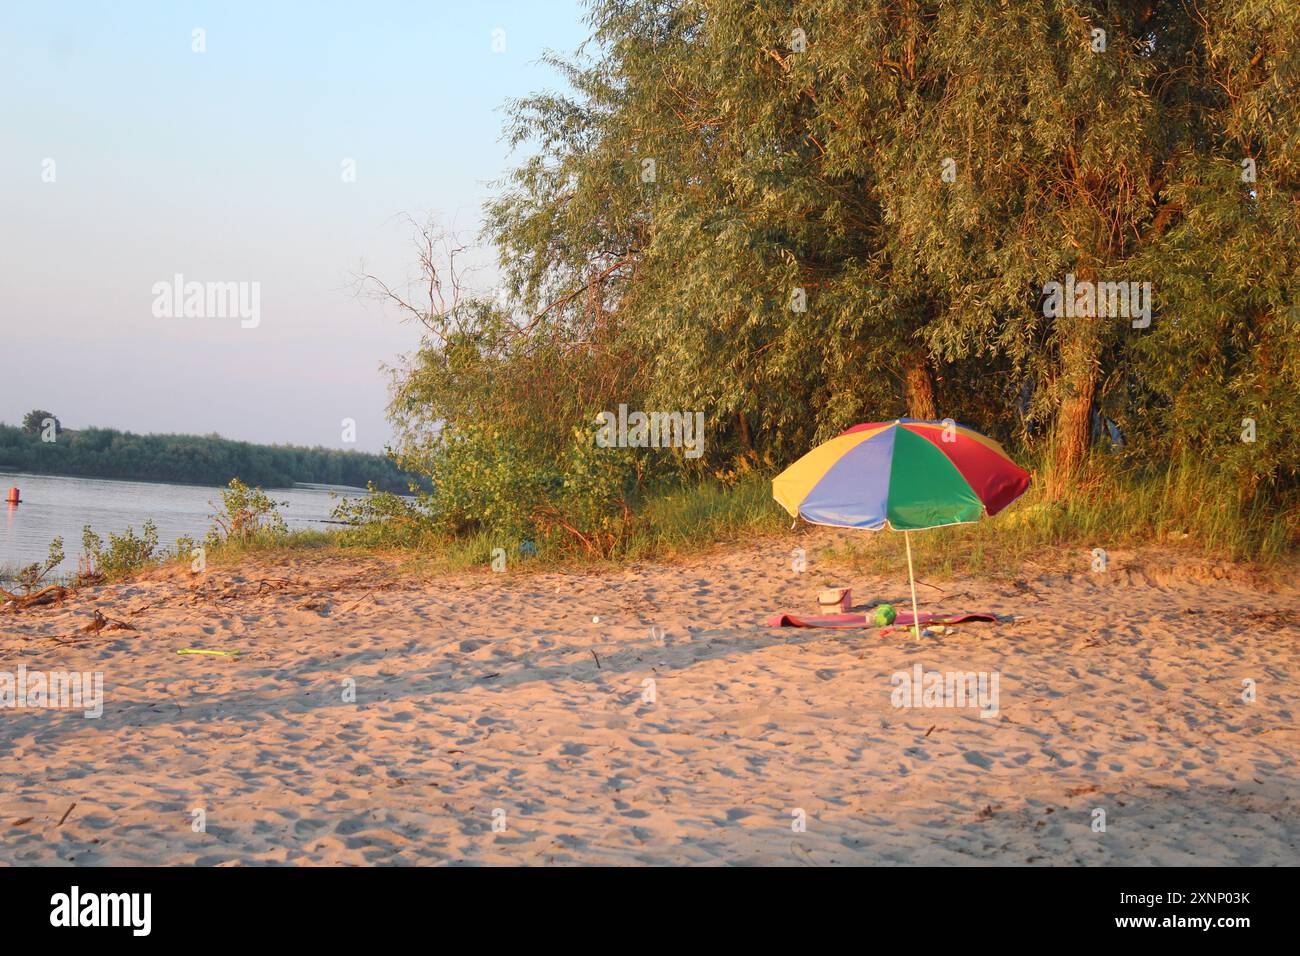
[746, 440]
[920, 387]
[1080, 347]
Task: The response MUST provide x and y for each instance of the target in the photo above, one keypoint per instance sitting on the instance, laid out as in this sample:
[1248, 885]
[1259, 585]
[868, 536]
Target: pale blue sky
[227, 166]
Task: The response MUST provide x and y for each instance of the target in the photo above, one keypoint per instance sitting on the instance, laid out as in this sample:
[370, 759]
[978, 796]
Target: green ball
[885, 615]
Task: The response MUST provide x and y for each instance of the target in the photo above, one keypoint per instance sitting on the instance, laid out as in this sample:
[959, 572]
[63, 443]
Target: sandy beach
[647, 716]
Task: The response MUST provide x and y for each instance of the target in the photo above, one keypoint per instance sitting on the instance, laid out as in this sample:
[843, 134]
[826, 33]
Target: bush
[30, 576]
[247, 516]
[124, 554]
[385, 520]
[577, 502]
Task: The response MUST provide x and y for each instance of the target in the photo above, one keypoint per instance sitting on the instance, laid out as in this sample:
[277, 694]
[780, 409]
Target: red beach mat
[861, 620]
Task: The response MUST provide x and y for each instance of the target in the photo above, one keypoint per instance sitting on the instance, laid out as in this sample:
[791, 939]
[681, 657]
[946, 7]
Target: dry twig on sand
[99, 623]
[357, 603]
[274, 584]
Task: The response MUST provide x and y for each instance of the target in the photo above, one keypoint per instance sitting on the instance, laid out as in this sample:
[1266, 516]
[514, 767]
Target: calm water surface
[63, 506]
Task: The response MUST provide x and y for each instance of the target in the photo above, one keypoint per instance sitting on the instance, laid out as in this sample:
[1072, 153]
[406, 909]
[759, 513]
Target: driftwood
[46, 595]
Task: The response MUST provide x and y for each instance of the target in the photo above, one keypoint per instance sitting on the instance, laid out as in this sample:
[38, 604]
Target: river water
[63, 506]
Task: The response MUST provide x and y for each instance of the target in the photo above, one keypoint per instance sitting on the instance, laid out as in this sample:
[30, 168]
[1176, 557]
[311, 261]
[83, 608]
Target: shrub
[385, 520]
[123, 554]
[577, 501]
[30, 576]
[246, 515]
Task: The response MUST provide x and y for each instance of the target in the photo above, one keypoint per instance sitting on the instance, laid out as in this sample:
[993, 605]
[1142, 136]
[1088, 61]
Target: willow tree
[1103, 143]
[794, 216]
[1022, 148]
[1220, 375]
[748, 274]
[791, 211]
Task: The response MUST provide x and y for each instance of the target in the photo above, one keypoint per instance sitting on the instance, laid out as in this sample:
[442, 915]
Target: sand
[495, 722]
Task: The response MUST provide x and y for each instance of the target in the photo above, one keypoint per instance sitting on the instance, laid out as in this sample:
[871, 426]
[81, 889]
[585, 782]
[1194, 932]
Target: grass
[670, 525]
[697, 517]
[673, 524]
[1185, 508]
[306, 539]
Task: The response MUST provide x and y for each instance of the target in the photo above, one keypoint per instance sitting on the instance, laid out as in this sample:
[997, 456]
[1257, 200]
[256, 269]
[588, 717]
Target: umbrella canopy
[906, 474]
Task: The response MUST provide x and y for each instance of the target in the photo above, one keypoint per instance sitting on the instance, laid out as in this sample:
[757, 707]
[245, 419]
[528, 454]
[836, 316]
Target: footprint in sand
[978, 759]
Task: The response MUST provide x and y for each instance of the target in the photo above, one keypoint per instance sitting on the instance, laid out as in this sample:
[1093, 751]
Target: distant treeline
[191, 459]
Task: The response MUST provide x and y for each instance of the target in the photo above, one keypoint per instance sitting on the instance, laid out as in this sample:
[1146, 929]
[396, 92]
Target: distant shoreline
[200, 460]
[7, 470]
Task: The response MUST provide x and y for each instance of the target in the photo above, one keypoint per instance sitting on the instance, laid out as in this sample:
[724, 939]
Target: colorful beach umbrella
[907, 474]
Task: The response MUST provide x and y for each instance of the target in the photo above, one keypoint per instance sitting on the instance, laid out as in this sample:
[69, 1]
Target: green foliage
[34, 422]
[1182, 506]
[576, 492]
[210, 460]
[385, 520]
[918, 172]
[669, 523]
[186, 548]
[699, 514]
[586, 500]
[246, 515]
[486, 485]
[124, 554]
[32, 575]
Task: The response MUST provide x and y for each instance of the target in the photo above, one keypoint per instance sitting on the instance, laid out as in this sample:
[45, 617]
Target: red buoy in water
[13, 498]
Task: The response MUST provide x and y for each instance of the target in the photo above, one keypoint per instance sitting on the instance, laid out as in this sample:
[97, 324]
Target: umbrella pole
[911, 580]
